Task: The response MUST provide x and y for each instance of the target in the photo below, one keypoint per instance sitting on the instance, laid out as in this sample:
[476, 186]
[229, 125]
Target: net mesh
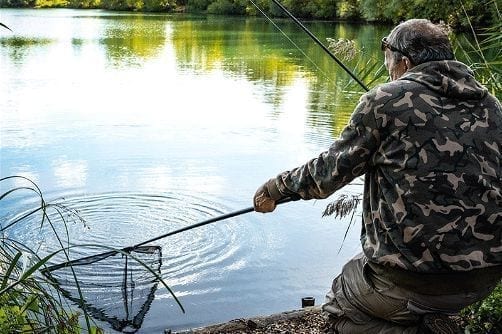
[115, 288]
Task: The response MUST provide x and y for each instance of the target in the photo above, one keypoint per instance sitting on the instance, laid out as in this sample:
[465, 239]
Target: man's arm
[348, 157]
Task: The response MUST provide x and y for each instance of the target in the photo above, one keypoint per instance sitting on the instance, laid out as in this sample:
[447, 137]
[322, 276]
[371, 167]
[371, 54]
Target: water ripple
[124, 219]
[194, 261]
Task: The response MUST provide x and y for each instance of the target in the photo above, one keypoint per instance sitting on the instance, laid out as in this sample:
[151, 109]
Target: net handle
[104, 255]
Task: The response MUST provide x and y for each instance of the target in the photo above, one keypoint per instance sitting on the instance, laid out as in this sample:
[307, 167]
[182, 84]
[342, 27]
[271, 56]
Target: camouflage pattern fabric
[430, 146]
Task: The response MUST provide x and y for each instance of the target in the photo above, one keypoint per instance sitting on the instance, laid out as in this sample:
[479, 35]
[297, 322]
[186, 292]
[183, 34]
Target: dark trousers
[361, 301]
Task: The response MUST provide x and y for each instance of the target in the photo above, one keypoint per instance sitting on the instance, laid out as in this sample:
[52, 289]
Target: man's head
[414, 42]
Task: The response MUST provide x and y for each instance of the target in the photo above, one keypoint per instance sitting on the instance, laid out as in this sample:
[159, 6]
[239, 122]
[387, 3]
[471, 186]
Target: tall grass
[365, 66]
[29, 302]
[482, 50]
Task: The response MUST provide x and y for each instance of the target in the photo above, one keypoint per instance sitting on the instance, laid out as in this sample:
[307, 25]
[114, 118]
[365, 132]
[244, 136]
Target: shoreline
[308, 320]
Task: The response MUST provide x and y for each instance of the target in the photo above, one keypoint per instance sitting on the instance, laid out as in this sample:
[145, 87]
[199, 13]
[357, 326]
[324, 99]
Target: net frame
[131, 321]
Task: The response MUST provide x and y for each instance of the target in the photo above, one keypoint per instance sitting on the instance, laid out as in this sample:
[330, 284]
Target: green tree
[322, 9]
[84, 3]
[349, 9]
[17, 3]
[197, 5]
[159, 5]
[298, 7]
[229, 7]
[373, 10]
[122, 4]
[51, 3]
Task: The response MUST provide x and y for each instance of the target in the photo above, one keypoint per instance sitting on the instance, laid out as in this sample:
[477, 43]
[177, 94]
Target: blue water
[145, 124]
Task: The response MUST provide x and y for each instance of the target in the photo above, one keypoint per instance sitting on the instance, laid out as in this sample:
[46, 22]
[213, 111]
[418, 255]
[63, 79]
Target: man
[430, 146]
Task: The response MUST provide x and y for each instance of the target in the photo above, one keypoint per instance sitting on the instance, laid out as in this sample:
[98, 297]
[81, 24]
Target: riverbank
[305, 321]
[309, 320]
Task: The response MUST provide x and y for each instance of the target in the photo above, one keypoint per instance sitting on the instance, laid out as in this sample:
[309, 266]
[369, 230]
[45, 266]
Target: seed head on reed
[342, 206]
[343, 48]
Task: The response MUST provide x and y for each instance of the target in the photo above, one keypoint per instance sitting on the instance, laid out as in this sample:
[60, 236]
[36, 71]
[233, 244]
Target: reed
[482, 50]
[362, 63]
[31, 301]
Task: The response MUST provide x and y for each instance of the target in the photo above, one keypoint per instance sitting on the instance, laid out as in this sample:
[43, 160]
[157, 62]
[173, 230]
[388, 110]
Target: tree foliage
[227, 7]
[17, 3]
[348, 9]
[451, 12]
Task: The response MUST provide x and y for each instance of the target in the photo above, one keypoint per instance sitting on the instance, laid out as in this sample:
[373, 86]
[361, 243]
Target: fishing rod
[102, 256]
[311, 35]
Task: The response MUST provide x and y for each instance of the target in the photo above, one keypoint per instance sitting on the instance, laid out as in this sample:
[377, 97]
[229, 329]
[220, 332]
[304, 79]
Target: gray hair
[421, 41]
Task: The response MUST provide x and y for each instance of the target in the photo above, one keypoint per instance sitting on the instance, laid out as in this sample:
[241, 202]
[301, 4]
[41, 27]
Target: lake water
[146, 123]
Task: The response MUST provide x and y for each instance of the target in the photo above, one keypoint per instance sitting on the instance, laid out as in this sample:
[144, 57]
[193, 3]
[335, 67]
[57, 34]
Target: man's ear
[407, 63]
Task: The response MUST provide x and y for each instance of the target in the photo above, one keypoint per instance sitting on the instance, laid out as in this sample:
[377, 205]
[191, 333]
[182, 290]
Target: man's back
[434, 188]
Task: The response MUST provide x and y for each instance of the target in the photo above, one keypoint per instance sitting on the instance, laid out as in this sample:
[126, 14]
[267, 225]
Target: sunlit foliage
[387, 11]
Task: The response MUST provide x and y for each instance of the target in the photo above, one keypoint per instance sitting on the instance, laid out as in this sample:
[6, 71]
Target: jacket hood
[448, 78]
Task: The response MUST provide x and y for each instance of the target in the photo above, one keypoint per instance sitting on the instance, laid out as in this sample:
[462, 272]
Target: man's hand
[266, 197]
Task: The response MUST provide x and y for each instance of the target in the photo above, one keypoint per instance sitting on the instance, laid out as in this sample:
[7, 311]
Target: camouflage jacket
[430, 146]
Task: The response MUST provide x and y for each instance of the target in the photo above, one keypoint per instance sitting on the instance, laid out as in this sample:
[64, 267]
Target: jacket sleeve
[348, 157]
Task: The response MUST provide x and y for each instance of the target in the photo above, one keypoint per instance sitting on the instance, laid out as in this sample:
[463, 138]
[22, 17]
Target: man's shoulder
[391, 90]
[382, 98]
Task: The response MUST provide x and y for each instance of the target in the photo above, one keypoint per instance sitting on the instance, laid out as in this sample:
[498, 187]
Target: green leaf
[29, 272]
[32, 304]
[9, 270]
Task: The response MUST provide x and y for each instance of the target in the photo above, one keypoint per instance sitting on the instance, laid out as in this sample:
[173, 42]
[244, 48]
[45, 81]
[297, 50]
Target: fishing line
[315, 39]
[290, 40]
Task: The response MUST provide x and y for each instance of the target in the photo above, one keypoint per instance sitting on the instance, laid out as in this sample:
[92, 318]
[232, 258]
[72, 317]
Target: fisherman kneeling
[430, 146]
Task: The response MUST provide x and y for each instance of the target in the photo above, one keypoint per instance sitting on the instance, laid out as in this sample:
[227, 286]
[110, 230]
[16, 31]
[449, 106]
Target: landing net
[117, 288]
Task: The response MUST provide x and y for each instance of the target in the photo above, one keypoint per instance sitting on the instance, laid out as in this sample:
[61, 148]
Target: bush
[484, 316]
[198, 5]
[226, 7]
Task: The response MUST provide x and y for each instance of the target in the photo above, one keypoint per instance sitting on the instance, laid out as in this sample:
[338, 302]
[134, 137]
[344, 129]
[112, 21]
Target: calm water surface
[148, 123]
